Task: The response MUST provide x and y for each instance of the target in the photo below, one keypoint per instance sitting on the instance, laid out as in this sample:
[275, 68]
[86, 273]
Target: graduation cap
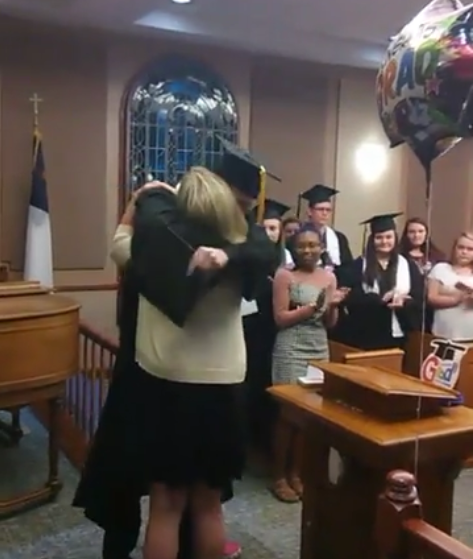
[274, 209]
[382, 222]
[445, 349]
[379, 224]
[317, 194]
[242, 171]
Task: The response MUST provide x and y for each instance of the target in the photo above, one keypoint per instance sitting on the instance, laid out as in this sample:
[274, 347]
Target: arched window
[173, 115]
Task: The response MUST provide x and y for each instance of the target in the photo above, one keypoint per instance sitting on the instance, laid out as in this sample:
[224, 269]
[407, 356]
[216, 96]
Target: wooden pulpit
[366, 422]
[39, 349]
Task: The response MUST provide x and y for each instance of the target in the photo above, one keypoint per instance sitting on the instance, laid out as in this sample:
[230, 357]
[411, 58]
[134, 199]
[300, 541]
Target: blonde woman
[184, 422]
[106, 500]
[450, 292]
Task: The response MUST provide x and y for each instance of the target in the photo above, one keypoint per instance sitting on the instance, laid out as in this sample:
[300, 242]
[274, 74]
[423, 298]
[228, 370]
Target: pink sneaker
[232, 550]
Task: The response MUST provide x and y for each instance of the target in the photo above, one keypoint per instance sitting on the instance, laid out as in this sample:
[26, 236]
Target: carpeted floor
[265, 527]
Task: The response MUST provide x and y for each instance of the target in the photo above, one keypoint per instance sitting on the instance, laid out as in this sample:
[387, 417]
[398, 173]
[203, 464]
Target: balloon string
[428, 200]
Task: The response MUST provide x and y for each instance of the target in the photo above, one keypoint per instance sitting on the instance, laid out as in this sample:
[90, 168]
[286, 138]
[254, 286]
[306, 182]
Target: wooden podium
[39, 349]
[364, 424]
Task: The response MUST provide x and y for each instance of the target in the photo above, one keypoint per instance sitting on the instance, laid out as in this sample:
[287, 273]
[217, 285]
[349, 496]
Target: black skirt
[142, 437]
[181, 434]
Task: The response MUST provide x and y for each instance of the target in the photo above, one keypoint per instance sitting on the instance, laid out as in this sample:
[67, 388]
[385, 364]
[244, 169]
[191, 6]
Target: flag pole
[38, 264]
[36, 100]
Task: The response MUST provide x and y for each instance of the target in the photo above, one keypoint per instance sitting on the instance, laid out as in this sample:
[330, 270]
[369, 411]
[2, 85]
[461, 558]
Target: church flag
[38, 251]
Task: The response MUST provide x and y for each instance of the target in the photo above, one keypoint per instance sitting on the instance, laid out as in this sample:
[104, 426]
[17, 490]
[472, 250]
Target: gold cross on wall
[36, 101]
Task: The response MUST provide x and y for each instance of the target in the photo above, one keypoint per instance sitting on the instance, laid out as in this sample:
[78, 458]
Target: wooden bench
[400, 531]
[388, 358]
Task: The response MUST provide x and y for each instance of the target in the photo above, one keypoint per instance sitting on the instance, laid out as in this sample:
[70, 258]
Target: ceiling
[348, 32]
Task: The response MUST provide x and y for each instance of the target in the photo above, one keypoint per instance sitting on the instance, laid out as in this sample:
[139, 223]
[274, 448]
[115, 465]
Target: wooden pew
[400, 531]
[389, 358]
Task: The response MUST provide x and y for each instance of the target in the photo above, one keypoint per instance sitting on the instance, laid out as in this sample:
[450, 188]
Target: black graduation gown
[345, 252]
[425, 311]
[160, 268]
[97, 492]
[346, 256]
[365, 321]
[260, 334]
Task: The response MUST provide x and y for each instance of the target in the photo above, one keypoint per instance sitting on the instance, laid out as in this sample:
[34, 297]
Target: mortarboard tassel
[261, 195]
[299, 206]
[364, 239]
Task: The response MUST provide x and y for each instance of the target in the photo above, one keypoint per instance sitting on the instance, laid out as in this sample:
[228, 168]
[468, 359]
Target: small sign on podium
[442, 366]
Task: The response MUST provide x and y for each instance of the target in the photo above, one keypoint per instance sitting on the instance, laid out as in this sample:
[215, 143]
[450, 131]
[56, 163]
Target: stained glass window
[173, 117]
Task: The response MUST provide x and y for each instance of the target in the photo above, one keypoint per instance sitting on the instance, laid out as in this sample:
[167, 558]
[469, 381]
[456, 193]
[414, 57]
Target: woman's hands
[152, 184]
[463, 294]
[339, 295]
[394, 299]
[129, 213]
[207, 258]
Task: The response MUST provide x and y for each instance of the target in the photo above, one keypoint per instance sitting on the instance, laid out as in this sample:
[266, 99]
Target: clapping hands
[339, 296]
[394, 299]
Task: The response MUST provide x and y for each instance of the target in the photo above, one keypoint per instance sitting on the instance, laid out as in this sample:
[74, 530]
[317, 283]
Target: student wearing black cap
[386, 291]
[337, 248]
[260, 333]
[273, 215]
[290, 226]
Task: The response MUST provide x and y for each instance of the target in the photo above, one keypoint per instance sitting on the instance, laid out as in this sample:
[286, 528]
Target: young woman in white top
[185, 410]
[450, 292]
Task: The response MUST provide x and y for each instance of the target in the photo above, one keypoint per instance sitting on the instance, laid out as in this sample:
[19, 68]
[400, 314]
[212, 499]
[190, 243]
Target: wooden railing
[86, 287]
[85, 393]
[400, 531]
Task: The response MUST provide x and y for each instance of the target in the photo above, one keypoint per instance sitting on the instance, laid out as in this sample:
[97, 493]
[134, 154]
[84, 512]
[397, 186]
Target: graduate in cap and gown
[273, 218]
[179, 380]
[260, 333]
[290, 226]
[386, 291]
[337, 249]
[106, 500]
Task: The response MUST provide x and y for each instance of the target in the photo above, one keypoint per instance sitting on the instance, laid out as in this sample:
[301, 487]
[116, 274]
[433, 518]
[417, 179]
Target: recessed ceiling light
[181, 1]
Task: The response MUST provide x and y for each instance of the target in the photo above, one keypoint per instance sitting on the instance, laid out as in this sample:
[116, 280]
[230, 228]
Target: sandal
[284, 492]
[296, 484]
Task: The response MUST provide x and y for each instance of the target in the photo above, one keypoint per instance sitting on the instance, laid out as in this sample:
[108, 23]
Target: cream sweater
[209, 349]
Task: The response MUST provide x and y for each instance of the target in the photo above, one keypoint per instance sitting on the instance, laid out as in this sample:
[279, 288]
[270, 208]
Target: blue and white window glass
[173, 117]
